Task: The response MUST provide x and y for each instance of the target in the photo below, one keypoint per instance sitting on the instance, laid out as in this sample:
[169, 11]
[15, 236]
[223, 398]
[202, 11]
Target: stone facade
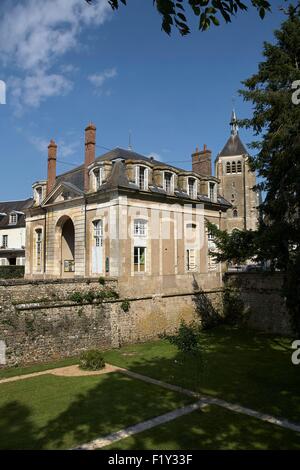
[264, 306]
[39, 322]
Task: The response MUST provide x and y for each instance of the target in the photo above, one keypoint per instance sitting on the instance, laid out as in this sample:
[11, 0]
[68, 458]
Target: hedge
[12, 272]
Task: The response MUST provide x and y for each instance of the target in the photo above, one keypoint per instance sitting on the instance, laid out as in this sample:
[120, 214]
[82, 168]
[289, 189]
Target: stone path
[74, 371]
[137, 428]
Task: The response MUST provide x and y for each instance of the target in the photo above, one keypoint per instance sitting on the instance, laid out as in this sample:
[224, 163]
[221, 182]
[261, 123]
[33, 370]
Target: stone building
[126, 216]
[237, 182]
[12, 232]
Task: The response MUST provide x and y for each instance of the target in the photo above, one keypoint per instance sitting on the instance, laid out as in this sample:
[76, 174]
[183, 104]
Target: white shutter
[137, 175]
[146, 178]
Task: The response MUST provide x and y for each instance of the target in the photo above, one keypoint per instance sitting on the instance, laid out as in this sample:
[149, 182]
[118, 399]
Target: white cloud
[33, 89]
[98, 79]
[35, 35]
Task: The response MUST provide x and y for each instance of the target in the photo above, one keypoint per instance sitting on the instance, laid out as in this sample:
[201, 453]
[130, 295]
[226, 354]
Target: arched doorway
[66, 233]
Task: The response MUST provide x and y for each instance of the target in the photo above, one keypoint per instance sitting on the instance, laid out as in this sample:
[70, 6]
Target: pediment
[63, 192]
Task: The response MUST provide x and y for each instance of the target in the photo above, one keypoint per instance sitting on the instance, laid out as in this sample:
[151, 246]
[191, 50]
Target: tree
[276, 123]
[208, 12]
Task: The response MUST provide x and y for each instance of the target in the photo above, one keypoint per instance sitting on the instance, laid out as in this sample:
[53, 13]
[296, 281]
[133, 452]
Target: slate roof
[10, 206]
[118, 177]
[234, 146]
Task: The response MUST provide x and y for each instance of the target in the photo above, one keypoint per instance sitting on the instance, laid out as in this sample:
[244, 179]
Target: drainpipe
[245, 200]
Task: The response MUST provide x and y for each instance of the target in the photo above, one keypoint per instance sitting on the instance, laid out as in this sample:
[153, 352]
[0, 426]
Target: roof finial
[233, 123]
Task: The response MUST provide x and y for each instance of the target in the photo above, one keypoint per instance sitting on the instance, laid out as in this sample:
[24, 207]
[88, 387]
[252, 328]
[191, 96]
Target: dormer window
[141, 177]
[168, 182]
[192, 188]
[212, 191]
[39, 195]
[98, 177]
[13, 218]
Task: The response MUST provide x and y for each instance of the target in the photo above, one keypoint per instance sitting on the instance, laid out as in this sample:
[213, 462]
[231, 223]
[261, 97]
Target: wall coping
[34, 282]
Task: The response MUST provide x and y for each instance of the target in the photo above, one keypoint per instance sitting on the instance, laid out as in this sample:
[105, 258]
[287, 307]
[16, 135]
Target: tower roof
[234, 145]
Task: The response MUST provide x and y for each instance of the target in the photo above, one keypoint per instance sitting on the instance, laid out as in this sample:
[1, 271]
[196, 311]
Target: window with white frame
[140, 228]
[38, 246]
[139, 259]
[98, 232]
[4, 241]
[190, 259]
[212, 191]
[141, 177]
[192, 188]
[98, 177]
[13, 218]
[39, 195]
[168, 182]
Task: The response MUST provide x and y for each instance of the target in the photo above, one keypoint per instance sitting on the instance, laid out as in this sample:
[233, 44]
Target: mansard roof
[19, 207]
[234, 146]
[118, 177]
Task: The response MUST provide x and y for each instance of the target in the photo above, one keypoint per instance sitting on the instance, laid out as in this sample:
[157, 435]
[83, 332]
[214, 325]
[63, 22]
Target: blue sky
[66, 64]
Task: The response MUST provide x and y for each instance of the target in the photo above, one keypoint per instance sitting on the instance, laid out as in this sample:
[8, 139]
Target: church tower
[237, 182]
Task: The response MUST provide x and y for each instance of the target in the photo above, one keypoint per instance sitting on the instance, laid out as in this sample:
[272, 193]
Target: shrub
[101, 281]
[125, 305]
[186, 339]
[12, 272]
[91, 360]
[76, 297]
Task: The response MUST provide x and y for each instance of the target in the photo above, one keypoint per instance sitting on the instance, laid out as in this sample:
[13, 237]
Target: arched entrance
[66, 233]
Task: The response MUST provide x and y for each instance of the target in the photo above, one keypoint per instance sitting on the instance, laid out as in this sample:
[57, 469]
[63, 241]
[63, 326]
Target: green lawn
[240, 366]
[50, 412]
[212, 428]
[13, 371]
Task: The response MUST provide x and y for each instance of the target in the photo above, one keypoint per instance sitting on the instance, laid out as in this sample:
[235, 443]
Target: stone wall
[263, 304]
[39, 322]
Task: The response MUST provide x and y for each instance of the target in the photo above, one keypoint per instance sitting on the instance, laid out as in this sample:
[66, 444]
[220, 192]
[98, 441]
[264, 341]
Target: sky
[66, 63]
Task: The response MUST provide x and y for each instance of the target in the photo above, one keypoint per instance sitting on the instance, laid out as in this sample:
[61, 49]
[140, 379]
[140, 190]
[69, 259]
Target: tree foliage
[276, 123]
[208, 12]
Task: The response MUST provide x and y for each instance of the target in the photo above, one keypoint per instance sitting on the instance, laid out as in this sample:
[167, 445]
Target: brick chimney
[52, 150]
[89, 157]
[201, 161]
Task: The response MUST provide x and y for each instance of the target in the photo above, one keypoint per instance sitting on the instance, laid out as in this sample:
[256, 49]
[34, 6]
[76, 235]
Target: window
[98, 176]
[192, 192]
[239, 166]
[168, 182]
[13, 218]
[142, 178]
[233, 167]
[210, 236]
[39, 195]
[228, 167]
[98, 232]
[190, 260]
[139, 259]
[140, 228]
[4, 241]
[212, 191]
[38, 247]
[235, 213]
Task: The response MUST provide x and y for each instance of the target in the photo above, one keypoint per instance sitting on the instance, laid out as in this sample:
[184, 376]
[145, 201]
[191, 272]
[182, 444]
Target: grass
[50, 412]
[240, 366]
[212, 428]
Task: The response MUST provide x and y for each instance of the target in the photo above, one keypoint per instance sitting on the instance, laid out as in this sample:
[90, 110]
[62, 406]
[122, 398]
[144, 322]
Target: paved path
[150, 423]
[75, 371]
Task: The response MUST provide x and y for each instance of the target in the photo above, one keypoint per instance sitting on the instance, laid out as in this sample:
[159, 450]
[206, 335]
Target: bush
[125, 305]
[12, 272]
[101, 281]
[91, 360]
[186, 339]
